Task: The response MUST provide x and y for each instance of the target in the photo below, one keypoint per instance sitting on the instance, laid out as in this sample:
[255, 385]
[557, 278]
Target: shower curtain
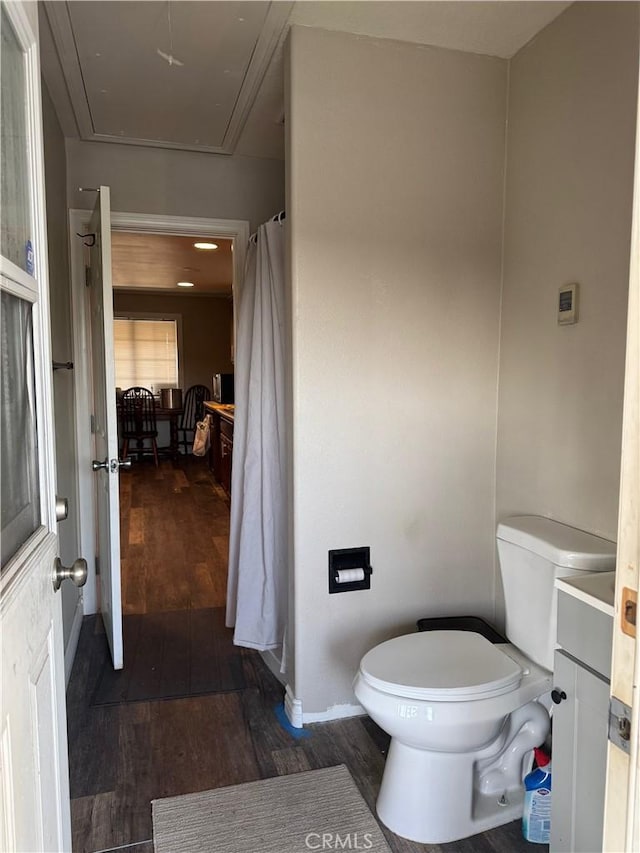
[257, 584]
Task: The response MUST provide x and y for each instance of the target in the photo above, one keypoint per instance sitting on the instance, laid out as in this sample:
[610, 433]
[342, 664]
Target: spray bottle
[536, 818]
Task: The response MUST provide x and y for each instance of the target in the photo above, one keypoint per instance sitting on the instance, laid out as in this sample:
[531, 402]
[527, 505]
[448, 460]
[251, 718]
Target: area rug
[171, 655]
[316, 810]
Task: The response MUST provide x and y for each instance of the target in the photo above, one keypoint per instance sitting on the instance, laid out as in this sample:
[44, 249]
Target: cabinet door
[580, 731]
[226, 454]
[214, 452]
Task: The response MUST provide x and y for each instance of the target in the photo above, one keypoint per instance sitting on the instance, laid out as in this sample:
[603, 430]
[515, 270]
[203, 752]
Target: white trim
[622, 795]
[335, 712]
[233, 229]
[270, 36]
[72, 642]
[17, 281]
[293, 708]
[299, 718]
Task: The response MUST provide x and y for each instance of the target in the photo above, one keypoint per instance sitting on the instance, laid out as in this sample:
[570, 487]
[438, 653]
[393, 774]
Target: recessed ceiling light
[207, 246]
[185, 284]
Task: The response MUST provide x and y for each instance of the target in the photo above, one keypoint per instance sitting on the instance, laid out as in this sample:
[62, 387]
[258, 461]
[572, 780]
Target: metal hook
[91, 236]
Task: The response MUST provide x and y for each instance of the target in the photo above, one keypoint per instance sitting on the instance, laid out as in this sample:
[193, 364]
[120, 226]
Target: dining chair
[138, 421]
[192, 412]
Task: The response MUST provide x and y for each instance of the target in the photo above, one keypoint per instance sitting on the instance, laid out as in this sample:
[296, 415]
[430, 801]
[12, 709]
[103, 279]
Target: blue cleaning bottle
[536, 818]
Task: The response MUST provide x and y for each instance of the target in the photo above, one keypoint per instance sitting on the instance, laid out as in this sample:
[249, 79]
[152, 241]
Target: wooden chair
[192, 412]
[138, 421]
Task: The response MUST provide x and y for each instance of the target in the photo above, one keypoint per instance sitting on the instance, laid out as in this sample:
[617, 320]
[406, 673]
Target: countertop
[594, 588]
[225, 410]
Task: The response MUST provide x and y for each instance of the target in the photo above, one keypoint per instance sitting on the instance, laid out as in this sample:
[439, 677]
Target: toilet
[463, 713]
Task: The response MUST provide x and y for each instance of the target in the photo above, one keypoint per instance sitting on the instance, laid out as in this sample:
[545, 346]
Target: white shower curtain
[257, 584]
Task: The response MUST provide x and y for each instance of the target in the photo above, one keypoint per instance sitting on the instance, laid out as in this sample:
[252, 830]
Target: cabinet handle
[558, 695]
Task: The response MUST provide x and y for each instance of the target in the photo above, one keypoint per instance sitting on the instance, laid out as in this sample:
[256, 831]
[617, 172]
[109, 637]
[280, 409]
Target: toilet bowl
[463, 713]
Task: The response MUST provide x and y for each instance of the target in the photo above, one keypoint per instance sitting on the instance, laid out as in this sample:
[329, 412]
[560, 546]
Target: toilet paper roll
[349, 575]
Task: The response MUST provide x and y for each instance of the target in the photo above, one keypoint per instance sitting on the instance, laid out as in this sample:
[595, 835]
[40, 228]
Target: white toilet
[462, 713]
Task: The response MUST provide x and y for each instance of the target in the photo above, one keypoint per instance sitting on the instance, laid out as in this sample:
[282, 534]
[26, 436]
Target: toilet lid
[441, 666]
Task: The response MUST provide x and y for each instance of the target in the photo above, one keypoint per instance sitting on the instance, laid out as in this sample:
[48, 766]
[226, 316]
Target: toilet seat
[444, 666]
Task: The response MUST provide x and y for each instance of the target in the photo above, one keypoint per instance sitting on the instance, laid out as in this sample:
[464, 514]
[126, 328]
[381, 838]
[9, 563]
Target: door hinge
[92, 424]
[619, 724]
[97, 565]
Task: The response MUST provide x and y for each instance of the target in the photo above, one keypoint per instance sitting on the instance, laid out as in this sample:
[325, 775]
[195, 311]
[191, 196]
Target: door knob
[116, 464]
[558, 695]
[76, 573]
[98, 465]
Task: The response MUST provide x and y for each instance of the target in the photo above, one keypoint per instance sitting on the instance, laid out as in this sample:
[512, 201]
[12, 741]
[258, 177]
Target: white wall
[176, 183]
[394, 200]
[568, 219]
[62, 348]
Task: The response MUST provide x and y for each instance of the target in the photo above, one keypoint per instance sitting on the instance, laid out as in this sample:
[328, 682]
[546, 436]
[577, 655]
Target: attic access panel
[133, 93]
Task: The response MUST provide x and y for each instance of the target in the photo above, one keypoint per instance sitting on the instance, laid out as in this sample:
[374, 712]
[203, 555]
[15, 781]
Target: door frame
[622, 801]
[236, 230]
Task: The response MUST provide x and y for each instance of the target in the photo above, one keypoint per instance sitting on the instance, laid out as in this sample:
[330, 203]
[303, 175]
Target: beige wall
[395, 176]
[568, 219]
[62, 347]
[176, 183]
[206, 330]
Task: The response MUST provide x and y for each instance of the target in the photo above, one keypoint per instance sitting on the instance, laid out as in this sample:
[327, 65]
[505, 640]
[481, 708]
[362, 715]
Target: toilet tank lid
[560, 544]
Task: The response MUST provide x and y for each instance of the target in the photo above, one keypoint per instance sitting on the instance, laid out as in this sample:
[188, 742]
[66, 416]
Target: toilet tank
[533, 552]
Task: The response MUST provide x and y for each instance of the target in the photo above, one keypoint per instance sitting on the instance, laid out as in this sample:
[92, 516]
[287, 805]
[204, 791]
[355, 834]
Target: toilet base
[427, 797]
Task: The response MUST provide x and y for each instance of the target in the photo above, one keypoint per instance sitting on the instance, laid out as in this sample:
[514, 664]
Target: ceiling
[208, 76]
[157, 262]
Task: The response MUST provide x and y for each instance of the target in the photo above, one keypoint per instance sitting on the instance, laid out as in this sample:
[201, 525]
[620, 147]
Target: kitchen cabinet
[221, 436]
[226, 454]
[582, 671]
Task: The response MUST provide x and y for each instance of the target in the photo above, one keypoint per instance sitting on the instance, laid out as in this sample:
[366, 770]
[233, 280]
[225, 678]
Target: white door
[105, 424]
[34, 782]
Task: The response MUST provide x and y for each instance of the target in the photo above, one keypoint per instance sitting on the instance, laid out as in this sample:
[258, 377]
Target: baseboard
[293, 708]
[298, 718]
[72, 644]
[335, 712]
[270, 657]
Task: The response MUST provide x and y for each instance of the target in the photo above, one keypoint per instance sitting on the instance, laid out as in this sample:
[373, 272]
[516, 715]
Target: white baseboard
[335, 712]
[270, 657]
[293, 709]
[72, 644]
[298, 718]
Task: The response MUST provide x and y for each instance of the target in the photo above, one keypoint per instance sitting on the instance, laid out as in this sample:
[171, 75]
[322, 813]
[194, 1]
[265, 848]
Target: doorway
[237, 231]
[173, 319]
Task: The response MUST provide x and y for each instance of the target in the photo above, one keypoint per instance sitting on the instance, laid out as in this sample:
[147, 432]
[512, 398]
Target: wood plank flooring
[123, 756]
[174, 537]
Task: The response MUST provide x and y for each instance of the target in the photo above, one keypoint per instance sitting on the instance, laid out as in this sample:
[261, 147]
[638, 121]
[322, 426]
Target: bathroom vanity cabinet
[582, 669]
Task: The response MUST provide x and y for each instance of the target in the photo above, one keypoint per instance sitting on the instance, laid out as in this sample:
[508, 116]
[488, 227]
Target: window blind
[146, 353]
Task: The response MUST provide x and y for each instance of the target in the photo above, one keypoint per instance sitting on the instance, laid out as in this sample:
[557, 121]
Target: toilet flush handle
[558, 695]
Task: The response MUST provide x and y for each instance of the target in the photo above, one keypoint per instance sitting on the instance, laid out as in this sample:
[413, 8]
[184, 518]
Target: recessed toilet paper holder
[349, 569]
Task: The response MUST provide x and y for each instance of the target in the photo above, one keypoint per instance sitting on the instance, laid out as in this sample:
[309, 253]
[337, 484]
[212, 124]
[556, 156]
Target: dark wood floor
[123, 756]
[174, 537]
